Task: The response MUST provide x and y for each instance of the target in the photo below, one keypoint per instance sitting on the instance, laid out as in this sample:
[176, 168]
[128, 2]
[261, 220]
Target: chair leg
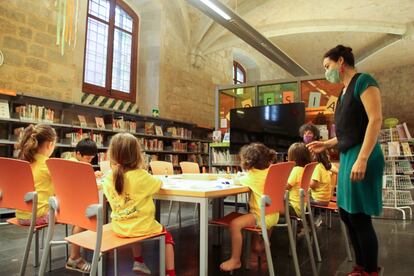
[115, 262]
[315, 236]
[348, 250]
[292, 242]
[66, 245]
[169, 212]
[179, 214]
[309, 245]
[162, 255]
[46, 249]
[247, 249]
[27, 249]
[268, 253]
[195, 210]
[36, 257]
[236, 208]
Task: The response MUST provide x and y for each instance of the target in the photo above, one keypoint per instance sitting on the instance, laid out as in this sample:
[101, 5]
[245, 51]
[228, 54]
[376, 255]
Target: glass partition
[278, 93]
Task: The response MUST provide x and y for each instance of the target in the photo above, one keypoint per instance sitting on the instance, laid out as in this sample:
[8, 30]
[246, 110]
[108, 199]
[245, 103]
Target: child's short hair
[311, 128]
[125, 155]
[299, 153]
[86, 146]
[33, 138]
[256, 156]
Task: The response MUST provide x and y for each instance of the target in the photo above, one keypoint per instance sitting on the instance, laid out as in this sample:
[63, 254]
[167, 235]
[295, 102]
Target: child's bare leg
[236, 241]
[136, 250]
[75, 249]
[169, 257]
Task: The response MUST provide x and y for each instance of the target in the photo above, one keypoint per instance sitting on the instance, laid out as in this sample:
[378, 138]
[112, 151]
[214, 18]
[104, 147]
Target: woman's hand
[317, 146]
[358, 170]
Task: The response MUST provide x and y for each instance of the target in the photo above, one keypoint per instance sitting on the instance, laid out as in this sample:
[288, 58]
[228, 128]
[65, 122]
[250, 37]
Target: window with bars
[111, 50]
[239, 74]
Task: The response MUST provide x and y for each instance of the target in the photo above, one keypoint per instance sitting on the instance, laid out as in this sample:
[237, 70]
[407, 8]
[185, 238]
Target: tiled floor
[395, 236]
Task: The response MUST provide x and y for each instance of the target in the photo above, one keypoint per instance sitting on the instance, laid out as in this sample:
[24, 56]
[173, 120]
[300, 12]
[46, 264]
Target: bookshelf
[221, 160]
[397, 187]
[175, 141]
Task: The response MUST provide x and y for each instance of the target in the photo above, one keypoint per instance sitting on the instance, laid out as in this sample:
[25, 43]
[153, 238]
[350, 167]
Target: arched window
[110, 65]
[239, 74]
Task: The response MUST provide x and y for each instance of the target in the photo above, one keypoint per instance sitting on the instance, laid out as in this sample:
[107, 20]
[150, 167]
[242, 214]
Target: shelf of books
[397, 146]
[161, 139]
[222, 161]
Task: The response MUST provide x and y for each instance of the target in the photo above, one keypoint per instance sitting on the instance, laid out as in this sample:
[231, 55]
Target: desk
[198, 191]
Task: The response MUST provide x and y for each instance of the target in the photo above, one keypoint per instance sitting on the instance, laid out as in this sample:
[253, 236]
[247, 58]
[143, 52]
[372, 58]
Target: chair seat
[331, 206]
[15, 221]
[110, 240]
[225, 221]
[333, 199]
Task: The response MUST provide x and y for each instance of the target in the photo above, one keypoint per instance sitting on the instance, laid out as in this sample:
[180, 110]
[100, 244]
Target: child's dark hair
[323, 158]
[33, 138]
[311, 128]
[299, 153]
[256, 156]
[86, 146]
[125, 155]
[341, 51]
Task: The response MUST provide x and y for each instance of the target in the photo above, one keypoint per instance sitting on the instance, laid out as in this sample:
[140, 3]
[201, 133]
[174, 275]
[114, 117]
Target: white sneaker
[318, 221]
[141, 267]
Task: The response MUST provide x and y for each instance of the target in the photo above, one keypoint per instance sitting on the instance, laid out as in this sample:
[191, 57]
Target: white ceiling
[306, 29]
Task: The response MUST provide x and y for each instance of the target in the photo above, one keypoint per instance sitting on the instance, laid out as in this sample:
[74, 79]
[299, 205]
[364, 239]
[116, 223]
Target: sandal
[76, 265]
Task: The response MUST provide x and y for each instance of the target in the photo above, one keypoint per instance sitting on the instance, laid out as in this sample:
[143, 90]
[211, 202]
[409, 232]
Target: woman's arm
[320, 146]
[371, 99]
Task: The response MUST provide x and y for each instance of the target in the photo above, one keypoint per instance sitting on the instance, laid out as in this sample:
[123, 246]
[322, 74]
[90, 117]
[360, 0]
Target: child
[36, 146]
[129, 190]
[320, 185]
[85, 151]
[299, 153]
[255, 159]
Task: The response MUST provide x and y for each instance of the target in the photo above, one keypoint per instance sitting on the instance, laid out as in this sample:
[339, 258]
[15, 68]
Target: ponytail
[323, 158]
[118, 179]
[34, 137]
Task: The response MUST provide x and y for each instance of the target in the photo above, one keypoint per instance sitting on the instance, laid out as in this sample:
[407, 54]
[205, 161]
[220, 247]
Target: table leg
[204, 237]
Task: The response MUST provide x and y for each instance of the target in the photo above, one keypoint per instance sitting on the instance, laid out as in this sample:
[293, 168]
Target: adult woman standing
[358, 118]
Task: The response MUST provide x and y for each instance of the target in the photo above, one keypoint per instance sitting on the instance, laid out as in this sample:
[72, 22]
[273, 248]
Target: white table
[198, 191]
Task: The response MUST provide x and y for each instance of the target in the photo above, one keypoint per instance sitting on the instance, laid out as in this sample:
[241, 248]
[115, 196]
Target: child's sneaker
[318, 221]
[141, 268]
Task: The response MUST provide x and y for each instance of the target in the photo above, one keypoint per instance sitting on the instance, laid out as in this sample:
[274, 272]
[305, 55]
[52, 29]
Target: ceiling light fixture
[216, 9]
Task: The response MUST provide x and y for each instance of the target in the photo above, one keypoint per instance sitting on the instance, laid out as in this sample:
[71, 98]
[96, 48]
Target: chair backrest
[307, 176]
[161, 168]
[189, 167]
[275, 186]
[75, 189]
[16, 179]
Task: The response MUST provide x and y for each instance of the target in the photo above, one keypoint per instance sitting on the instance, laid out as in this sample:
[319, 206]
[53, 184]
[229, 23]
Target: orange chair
[274, 199]
[77, 203]
[165, 168]
[189, 167]
[17, 192]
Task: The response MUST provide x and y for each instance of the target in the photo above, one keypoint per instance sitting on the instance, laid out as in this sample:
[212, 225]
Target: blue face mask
[307, 139]
[332, 75]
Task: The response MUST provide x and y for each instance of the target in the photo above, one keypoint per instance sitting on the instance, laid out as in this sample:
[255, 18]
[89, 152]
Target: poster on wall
[314, 99]
[331, 105]
[269, 98]
[247, 103]
[288, 97]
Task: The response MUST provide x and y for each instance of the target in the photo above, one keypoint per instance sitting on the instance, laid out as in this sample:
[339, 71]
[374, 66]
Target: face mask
[307, 139]
[332, 75]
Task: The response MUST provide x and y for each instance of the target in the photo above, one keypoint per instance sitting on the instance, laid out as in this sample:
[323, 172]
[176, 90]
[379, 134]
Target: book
[82, 121]
[149, 128]
[100, 122]
[407, 132]
[394, 149]
[118, 123]
[158, 131]
[406, 149]
[4, 109]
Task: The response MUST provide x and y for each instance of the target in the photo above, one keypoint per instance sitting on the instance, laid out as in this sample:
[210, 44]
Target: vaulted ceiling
[381, 32]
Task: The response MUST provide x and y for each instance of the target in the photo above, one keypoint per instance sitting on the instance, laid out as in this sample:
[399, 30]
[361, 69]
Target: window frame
[107, 91]
[237, 65]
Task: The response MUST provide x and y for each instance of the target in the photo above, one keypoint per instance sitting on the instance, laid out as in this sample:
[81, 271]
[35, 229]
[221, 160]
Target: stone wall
[397, 91]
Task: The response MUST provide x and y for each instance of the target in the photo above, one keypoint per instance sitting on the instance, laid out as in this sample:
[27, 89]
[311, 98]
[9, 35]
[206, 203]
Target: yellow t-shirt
[43, 187]
[294, 180]
[323, 191]
[133, 212]
[255, 180]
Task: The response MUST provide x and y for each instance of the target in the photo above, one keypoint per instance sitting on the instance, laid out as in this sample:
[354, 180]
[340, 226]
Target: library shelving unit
[161, 139]
[221, 160]
[398, 172]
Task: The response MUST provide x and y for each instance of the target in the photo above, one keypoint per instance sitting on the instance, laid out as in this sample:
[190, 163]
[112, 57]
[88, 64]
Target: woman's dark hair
[33, 138]
[256, 156]
[311, 128]
[299, 153]
[86, 146]
[341, 51]
[125, 155]
[323, 158]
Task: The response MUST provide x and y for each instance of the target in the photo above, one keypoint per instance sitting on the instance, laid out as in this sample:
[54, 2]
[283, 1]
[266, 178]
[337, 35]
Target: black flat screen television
[276, 126]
